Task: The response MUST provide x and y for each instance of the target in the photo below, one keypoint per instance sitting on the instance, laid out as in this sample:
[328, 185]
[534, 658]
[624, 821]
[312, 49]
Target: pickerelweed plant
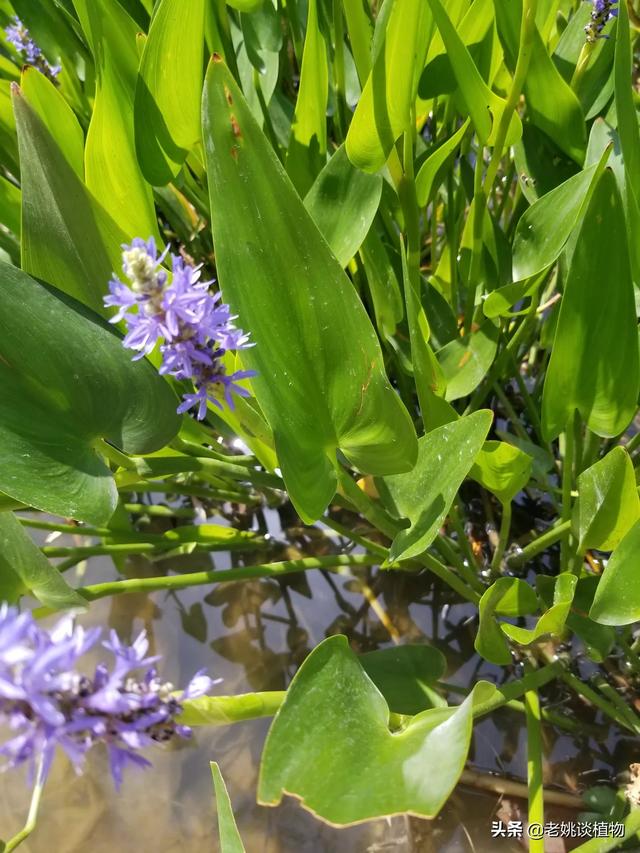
[425, 215]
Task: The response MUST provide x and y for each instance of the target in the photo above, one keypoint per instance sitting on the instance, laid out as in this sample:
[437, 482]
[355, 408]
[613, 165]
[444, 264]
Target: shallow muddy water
[254, 635]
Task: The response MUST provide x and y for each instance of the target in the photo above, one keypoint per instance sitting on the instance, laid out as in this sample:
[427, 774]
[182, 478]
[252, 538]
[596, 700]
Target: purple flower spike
[18, 36]
[602, 12]
[196, 327]
[46, 702]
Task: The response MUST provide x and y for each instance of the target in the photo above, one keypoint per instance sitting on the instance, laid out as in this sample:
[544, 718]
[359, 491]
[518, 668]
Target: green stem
[596, 699]
[390, 527]
[32, 816]
[265, 570]
[159, 466]
[503, 539]
[114, 455]
[540, 544]
[582, 64]
[527, 30]
[567, 484]
[534, 766]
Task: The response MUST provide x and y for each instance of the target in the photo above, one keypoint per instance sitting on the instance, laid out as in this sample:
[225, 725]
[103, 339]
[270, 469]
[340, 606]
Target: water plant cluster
[374, 264]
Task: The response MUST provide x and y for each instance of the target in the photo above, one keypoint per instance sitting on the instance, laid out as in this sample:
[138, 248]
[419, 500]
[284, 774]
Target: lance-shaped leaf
[112, 170]
[167, 100]
[331, 747]
[594, 363]
[425, 495]
[25, 569]
[230, 841]
[485, 108]
[426, 177]
[321, 381]
[67, 237]
[608, 504]
[617, 598]
[343, 202]
[545, 227]
[308, 142]
[384, 110]
[68, 382]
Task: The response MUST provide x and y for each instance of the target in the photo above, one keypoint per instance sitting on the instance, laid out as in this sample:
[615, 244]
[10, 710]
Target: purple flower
[18, 36]
[46, 702]
[196, 326]
[602, 12]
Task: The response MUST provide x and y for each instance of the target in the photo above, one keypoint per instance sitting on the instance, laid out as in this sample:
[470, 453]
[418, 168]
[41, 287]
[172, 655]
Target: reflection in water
[254, 635]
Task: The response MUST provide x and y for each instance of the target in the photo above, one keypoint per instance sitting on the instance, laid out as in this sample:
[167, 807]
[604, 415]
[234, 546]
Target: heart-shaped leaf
[320, 376]
[608, 504]
[25, 569]
[617, 598]
[67, 382]
[425, 495]
[509, 597]
[405, 676]
[331, 747]
[502, 469]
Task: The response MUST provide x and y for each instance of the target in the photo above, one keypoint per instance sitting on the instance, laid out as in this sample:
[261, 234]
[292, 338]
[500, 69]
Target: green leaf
[330, 746]
[10, 204]
[594, 363]
[167, 98]
[502, 469]
[343, 202]
[308, 141]
[427, 373]
[405, 676]
[60, 399]
[112, 171]
[553, 620]
[57, 115]
[499, 302]
[428, 172]
[466, 360]
[383, 112]
[510, 597]
[552, 104]
[617, 598]
[425, 495]
[628, 132]
[67, 238]
[599, 640]
[608, 503]
[544, 229]
[230, 841]
[321, 381]
[485, 108]
[383, 284]
[25, 569]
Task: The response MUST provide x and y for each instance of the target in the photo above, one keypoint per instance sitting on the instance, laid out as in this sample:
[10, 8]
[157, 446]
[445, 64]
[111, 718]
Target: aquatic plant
[425, 215]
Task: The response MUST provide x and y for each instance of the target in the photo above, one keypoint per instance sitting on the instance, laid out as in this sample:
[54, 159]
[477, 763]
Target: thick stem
[266, 570]
[534, 767]
[505, 528]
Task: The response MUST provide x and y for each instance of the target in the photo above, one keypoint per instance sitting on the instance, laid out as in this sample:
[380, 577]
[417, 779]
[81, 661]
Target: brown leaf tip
[215, 57]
